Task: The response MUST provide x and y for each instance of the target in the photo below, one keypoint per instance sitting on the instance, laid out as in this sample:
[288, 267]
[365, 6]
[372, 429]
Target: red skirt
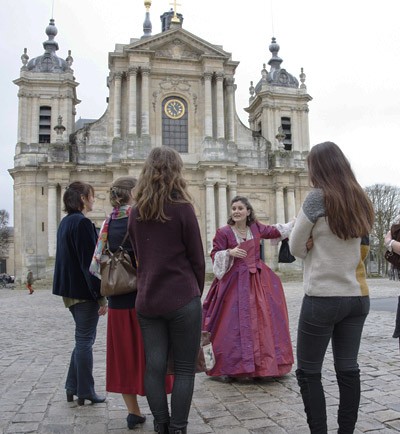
[125, 354]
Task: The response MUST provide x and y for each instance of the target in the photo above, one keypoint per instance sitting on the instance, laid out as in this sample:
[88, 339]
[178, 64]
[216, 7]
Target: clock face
[174, 109]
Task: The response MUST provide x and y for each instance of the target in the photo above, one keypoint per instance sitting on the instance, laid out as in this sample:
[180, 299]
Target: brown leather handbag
[118, 275]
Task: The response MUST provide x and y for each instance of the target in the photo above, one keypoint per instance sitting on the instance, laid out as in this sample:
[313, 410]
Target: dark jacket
[170, 260]
[76, 240]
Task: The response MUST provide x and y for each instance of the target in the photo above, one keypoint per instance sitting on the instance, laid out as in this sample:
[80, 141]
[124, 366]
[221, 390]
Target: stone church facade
[171, 88]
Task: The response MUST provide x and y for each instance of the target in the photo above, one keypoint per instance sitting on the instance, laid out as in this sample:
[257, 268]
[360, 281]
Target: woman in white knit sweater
[331, 236]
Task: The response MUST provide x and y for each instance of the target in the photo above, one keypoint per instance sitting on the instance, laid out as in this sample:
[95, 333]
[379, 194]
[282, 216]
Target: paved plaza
[36, 337]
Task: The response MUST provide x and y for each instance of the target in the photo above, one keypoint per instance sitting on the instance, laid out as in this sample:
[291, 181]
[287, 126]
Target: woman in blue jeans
[331, 236]
[76, 240]
[165, 236]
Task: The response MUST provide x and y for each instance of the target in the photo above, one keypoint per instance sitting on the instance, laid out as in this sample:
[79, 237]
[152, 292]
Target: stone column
[52, 219]
[22, 118]
[132, 101]
[280, 205]
[117, 104]
[145, 101]
[291, 204]
[220, 107]
[222, 205]
[210, 215]
[231, 108]
[208, 126]
[232, 191]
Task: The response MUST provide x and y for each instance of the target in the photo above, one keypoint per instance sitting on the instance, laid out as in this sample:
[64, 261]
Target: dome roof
[276, 76]
[49, 61]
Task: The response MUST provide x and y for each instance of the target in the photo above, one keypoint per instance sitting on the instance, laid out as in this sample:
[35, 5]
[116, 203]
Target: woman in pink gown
[245, 308]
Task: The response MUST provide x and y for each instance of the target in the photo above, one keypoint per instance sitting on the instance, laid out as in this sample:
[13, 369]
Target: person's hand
[388, 238]
[102, 310]
[309, 244]
[237, 252]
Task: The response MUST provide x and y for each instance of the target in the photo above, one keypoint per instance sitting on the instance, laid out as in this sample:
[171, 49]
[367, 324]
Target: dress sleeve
[222, 262]
[268, 231]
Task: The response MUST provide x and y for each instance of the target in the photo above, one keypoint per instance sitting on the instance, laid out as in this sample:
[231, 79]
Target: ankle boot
[313, 396]
[177, 430]
[161, 428]
[349, 393]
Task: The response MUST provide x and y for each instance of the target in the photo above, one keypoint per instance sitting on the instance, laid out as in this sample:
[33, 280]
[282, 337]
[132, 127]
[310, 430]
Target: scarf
[117, 213]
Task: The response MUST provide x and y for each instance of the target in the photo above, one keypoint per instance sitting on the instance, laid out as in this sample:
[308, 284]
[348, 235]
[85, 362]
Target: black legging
[179, 330]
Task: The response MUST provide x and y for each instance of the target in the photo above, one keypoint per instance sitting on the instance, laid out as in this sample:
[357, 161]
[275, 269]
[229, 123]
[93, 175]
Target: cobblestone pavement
[36, 336]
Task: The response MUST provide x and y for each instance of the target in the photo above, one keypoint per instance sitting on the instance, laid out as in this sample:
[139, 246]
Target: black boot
[177, 430]
[349, 393]
[314, 401]
[161, 428]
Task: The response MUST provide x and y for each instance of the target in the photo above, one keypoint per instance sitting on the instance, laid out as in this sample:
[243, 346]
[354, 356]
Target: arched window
[175, 123]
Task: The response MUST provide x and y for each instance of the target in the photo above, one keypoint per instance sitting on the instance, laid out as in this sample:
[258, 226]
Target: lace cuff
[284, 229]
[222, 263]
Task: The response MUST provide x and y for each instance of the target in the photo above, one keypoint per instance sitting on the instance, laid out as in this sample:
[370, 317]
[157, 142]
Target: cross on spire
[175, 18]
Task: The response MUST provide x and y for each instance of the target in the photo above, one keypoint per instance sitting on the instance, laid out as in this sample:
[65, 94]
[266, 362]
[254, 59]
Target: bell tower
[46, 118]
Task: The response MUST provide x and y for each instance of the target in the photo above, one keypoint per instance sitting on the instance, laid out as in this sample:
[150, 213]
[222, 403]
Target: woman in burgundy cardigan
[166, 239]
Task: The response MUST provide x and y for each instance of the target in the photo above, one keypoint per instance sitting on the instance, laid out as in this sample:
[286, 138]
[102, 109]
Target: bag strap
[123, 240]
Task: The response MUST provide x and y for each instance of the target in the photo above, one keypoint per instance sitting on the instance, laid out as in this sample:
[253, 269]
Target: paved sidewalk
[36, 336]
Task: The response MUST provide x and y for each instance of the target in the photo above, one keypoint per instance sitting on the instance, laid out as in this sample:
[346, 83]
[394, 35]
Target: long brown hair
[349, 211]
[160, 181]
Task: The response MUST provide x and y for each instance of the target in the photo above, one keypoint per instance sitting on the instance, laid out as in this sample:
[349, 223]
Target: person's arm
[301, 236]
[85, 242]
[391, 244]
[194, 245]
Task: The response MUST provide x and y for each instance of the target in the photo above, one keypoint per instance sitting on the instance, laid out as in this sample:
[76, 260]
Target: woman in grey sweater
[331, 236]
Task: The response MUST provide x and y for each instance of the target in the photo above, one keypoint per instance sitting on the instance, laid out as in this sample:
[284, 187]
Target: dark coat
[170, 258]
[76, 240]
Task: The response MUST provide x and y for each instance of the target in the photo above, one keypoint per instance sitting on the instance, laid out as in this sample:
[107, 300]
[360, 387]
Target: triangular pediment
[177, 44]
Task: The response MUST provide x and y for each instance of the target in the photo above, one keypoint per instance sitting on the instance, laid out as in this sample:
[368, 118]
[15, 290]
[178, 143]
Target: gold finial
[147, 4]
[175, 18]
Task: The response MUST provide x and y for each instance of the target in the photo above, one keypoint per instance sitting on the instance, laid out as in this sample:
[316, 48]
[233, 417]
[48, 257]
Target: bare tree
[4, 232]
[386, 201]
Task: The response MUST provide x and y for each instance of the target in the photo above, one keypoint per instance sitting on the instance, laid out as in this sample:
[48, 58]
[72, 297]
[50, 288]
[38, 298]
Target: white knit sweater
[333, 267]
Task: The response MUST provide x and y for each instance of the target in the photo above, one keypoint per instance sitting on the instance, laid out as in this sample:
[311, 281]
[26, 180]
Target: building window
[175, 124]
[287, 130]
[44, 124]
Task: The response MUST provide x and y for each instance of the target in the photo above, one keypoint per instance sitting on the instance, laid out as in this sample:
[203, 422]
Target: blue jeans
[179, 330]
[80, 374]
[322, 319]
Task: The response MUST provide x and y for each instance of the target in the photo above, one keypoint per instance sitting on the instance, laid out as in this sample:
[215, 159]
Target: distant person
[393, 245]
[331, 236]
[29, 282]
[76, 240]
[166, 239]
[125, 352]
[245, 308]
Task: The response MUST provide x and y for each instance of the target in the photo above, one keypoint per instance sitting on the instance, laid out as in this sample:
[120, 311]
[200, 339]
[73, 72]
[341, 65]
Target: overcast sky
[349, 51]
